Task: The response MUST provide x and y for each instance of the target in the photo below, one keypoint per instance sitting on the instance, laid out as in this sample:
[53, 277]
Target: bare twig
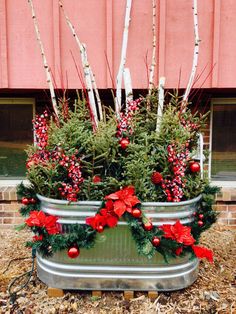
[45, 64]
[123, 56]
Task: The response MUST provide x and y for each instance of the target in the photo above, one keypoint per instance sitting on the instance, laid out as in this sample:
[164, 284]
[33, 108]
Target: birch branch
[152, 68]
[88, 74]
[94, 85]
[123, 56]
[128, 87]
[45, 64]
[195, 53]
[161, 99]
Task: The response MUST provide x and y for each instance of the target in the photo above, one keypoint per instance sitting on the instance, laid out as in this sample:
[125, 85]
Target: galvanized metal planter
[114, 264]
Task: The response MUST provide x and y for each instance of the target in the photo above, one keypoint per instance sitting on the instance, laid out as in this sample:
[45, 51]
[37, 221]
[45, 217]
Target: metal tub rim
[98, 203]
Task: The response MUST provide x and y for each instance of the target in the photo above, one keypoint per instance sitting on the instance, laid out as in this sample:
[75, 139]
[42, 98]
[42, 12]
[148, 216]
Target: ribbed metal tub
[113, 263]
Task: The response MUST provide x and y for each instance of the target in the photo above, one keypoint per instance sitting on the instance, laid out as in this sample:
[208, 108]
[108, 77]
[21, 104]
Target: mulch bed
[213, 292]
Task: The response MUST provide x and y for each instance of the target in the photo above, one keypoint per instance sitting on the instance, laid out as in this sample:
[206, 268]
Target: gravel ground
[213, 292]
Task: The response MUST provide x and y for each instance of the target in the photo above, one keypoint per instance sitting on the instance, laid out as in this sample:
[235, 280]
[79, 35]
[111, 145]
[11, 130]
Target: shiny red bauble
[201, 216]
[200, 223]
[32, 201]
[148, 226]
[195, 167]
[124, 142]
[136, 212]
[73, 252]
[97, 179]
[100, 228]
[25, 201]
[156, 241]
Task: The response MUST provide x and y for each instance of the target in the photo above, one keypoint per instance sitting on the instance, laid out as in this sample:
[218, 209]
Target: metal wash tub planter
[114, 263]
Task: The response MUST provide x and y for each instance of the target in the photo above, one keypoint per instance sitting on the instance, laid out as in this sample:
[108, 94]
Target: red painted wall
[99, 24]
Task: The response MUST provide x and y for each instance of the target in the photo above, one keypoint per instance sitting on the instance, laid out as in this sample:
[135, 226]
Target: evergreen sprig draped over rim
[168, 240]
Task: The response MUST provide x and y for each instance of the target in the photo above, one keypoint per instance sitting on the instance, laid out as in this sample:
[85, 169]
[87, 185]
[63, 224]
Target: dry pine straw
[213, 292]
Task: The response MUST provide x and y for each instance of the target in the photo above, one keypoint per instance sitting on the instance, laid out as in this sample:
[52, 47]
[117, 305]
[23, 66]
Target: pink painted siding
[99, 24]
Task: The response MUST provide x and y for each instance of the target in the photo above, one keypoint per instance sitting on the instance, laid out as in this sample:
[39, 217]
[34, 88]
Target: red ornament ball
[124, 142]
[32, 200]
[73, 252]
[148, 226]
[100, 228]
[156, 177]
[200, 223]
[97, 179]
[156, 241]
[201, 216]
[195, 167]
[25, 201]
[136, 212]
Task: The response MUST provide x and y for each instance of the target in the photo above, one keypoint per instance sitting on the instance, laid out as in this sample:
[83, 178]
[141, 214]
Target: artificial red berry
[100, 228]
[136, 212]
[148, 226]
[73, 252]
[200, 223]
[97, 179]
[156, 177]
[201, 216]
[124, 142]
[195, 167]
[25, 201]
[156, 241]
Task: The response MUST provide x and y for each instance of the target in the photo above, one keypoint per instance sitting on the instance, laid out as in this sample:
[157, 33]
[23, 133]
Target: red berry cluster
[72, 164]
[40, 157]
[40, 124]
[27, 201]
[124, 122]
[189, 125]
[174, 187]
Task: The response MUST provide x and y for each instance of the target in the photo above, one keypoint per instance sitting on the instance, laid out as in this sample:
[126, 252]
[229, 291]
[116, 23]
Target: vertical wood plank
[57, 45]
[161, 38]
[216, 43]
[4, 83]
[109, 42]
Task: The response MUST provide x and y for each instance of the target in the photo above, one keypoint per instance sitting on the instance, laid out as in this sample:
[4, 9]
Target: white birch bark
[88, 81]
[195, 53]
[99, 103]
[123, 57]
[161, 98]
[45, 64]
[88, 74]
[128, 86]
[153, 65]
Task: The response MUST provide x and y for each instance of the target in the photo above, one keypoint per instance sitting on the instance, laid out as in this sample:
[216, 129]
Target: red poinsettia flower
[179, 233]
[111, 217]
[179, 251]
[35, 219]
[96, 221]
[39, 219]
[37, 238]
[124, 200]
[202, 252]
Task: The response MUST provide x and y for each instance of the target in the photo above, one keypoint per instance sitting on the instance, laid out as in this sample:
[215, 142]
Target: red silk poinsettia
[202, 252]
[39, 219]
[179, 233]
[106, 216]
[124, 200]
